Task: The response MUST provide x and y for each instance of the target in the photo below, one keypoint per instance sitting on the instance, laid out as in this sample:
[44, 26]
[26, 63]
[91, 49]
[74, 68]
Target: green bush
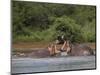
[62, 26]
[67, 27]
[88, 32]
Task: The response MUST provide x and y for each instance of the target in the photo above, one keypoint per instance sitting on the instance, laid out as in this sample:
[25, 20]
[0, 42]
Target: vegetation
[33, 21]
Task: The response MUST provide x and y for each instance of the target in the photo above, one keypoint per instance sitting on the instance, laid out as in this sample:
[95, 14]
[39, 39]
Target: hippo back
[81, 50]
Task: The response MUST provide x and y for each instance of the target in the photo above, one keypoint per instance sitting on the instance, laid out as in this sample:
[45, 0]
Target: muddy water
[29, 65]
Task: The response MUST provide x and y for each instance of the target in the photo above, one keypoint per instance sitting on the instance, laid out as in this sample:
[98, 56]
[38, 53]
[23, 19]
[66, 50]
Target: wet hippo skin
[81, 50]
[77, 50]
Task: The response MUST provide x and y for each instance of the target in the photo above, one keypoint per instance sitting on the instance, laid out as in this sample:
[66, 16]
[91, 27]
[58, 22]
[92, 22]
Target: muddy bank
[41, 45]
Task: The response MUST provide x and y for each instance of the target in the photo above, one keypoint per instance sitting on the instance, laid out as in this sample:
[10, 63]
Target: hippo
[76, 49]
[80, 50]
